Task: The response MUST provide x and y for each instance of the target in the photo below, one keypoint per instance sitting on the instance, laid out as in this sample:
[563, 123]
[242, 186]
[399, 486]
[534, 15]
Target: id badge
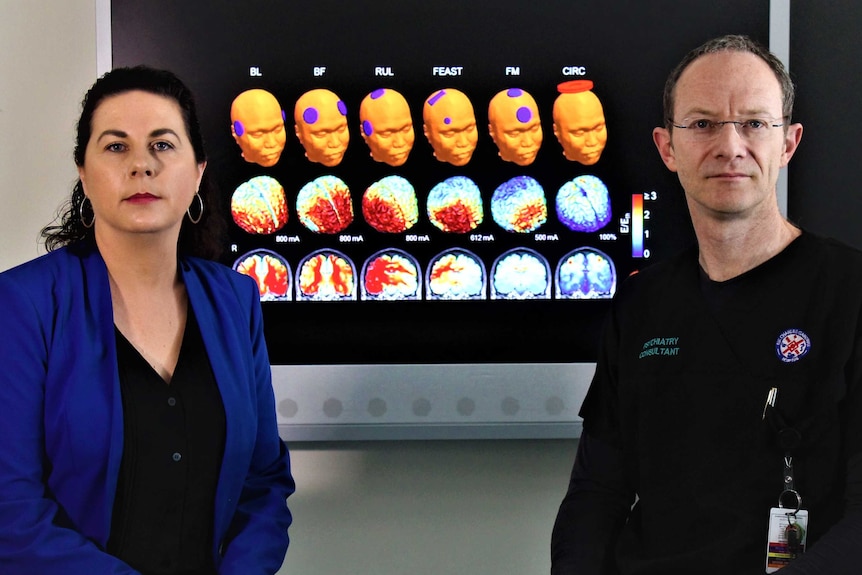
[788, 534]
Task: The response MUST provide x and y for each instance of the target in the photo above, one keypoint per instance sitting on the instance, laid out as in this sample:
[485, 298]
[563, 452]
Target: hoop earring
[193, 219]
[81, 213]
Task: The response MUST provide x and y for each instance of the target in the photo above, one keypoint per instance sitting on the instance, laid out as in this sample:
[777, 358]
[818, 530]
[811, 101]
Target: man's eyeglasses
[702, 129]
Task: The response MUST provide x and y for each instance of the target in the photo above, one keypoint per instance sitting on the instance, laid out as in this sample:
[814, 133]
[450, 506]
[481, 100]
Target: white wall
[415, 508]
[47, 60]
[427, 508]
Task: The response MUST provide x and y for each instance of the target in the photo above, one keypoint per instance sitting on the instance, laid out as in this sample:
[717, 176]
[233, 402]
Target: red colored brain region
[390, 206]
[455, 205]
[390, 275]
[324, 205]
[327, 275]
[519, 205]
[270, 271]
[258, 206]
[456, 275]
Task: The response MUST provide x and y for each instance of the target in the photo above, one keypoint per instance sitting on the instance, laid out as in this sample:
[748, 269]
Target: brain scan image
[321, 125]
[391, 274]
[521, 273]
[579, 122]
[455, 274]
[257, 126]
[258, 206]
[324, 205]
[270, 271]
[584, 204]
[513, 121]
[386, 126]
[586, 273]
[519, 205]
[455, 205]
[449, 125]
[389, 205]
[326, 275]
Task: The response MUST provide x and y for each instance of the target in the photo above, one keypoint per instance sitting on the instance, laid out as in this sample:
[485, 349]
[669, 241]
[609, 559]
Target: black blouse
[173, 443]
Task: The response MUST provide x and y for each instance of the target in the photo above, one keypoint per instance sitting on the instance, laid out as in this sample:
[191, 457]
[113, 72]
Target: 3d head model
[450, 126]
[321, 126]
[513, 120]
[386, 126]
[257, 125]
[579, 122]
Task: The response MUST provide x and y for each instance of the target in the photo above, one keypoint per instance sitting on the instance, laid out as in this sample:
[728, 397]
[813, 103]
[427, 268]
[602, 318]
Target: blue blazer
[61, 419]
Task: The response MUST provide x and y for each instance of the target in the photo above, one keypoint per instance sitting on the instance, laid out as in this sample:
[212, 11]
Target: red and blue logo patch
[792, 345]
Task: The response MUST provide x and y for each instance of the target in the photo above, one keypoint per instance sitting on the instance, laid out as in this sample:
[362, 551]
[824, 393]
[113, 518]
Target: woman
[136, 406]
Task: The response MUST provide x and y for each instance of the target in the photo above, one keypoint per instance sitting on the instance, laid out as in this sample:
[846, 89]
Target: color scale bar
[637, 225]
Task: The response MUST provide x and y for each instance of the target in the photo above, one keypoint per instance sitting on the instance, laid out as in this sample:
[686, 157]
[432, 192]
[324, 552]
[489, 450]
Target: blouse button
[172, 401]
[176, 456]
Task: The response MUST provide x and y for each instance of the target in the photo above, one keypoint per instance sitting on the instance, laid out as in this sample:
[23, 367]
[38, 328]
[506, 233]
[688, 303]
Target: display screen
[442, 182]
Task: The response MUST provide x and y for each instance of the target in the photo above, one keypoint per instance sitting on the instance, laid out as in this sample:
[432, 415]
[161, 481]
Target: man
[730, 376]
[513, 121]
[450, 126]
[257, 126]
[386, 126]
[320, 118]
[579, 122]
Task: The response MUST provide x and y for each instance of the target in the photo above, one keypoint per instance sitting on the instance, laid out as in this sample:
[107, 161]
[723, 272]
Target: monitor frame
[436, 401]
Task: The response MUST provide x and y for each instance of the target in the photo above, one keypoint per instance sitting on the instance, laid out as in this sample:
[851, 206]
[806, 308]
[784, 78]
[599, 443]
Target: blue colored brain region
[521, 274]
[583, 204]
[518, 205]
[586, 273]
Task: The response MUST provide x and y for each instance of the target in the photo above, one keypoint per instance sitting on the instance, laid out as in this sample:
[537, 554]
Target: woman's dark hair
[204, 239]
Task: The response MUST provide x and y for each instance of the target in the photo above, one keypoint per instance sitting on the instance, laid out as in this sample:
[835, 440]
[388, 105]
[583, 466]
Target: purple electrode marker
[310, 115]
[378, 93]
[342, 107]
[238, 129]
[514, 92]
[367, 128]
[447, 120]
[433, 99]
[283, 116]
[524, 114]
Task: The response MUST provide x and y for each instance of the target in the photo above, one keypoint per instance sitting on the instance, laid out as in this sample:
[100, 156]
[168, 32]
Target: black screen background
[627, 48]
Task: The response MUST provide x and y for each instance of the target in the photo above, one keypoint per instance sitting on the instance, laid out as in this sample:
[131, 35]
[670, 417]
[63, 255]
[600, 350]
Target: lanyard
[789, 498]
[788, 439]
